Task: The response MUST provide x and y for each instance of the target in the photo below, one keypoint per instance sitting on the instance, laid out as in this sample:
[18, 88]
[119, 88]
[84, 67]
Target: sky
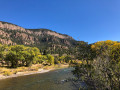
[84, 20]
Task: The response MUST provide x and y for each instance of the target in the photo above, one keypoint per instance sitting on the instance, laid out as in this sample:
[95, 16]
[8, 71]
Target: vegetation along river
[53, 80]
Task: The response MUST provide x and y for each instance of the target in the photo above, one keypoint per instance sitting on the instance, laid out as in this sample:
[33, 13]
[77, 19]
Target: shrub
[7, 73]
[15, 72]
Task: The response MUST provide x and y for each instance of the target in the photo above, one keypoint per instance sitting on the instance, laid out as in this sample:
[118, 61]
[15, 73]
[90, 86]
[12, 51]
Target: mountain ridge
[44, 39]
[7, 25]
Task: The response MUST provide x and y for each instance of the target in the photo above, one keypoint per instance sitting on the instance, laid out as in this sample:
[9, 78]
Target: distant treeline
[20, 55]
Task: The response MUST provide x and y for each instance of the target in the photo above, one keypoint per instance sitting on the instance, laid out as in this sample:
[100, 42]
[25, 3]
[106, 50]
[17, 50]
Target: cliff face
[9, 26]
[12, 34]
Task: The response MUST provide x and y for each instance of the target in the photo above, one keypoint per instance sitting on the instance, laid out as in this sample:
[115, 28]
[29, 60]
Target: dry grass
[48, 67]
[8, 72]
[57, 66]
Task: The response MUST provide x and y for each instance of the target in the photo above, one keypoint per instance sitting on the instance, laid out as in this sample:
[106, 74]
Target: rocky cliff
[44, 39]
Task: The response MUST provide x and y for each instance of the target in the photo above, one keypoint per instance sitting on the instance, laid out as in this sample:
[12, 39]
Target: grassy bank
[21, 71]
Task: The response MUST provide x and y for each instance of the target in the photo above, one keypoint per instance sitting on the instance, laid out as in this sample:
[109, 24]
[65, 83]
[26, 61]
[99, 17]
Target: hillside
[46, 40]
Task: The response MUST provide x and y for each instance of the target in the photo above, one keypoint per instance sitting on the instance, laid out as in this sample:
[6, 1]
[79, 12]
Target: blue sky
[87, 20]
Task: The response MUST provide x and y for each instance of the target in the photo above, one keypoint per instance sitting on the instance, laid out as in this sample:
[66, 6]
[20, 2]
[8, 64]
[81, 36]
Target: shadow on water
[53, 80]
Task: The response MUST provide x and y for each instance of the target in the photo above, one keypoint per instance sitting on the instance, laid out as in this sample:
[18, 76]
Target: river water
[52, 80]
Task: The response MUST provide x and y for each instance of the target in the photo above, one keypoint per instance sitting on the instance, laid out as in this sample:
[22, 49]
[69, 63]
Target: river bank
[52, 80]
[35, 69]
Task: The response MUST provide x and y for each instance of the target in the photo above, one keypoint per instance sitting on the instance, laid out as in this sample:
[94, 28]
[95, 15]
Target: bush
[20, 70]
[34, 69]
[7, 73]
[15, 72]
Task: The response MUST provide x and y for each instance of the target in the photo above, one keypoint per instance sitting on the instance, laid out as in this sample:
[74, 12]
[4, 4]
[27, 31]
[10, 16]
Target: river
[52, 80]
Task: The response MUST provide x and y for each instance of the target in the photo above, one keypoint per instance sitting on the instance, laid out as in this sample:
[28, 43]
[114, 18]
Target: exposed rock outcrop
[12, 34]
[9, 26]
[7, 42]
